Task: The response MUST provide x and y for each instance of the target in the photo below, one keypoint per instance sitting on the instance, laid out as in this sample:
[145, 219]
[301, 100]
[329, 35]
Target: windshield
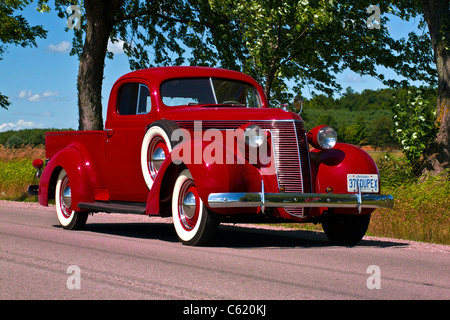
[211, 91]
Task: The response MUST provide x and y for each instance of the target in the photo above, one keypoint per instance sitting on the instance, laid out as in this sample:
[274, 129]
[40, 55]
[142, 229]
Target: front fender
[329, 168]
[227, 173]
[81, 175]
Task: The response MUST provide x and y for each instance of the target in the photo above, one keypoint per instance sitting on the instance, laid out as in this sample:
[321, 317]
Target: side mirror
[298, 103]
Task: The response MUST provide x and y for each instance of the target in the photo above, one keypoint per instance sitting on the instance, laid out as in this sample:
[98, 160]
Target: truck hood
[205, 113]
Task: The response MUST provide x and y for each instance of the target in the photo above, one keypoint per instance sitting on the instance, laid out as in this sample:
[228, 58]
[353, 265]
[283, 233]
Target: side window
[134, 98]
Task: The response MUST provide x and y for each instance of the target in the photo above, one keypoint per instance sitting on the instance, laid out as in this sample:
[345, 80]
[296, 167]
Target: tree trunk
[437, 15]
[268, 87]
[270, 77]
[99, 23]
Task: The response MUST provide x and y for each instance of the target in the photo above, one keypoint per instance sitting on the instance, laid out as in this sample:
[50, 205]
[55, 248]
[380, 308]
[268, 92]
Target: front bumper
[276, 200]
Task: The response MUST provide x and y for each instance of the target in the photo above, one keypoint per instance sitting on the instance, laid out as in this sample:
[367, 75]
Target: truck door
[126, 127]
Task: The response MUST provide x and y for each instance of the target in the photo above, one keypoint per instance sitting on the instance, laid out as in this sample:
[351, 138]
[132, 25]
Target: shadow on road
[232, 236]
[245, 237]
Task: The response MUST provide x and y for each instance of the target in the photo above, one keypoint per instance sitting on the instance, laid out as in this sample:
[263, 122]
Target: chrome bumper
[276, 200]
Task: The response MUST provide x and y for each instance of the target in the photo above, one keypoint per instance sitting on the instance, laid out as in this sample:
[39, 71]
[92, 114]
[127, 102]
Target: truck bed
[92, 140]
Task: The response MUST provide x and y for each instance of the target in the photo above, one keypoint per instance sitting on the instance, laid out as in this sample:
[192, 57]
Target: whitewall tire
[193, 222]
[68, 218]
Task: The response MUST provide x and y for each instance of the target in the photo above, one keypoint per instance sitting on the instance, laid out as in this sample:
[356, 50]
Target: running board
[132, 208]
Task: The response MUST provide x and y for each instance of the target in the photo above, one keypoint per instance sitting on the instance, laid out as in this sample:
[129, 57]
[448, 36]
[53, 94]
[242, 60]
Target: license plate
[366, 183]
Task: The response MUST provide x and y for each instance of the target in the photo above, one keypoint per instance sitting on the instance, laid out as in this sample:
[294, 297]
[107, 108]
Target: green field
[421, 212]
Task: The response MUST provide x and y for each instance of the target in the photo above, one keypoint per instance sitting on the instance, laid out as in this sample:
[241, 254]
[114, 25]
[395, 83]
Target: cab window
[134, 98]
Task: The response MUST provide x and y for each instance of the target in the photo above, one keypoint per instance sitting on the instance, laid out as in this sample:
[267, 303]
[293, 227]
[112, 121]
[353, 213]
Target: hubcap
[157, 152]
[188, 205]
[66, 198]
[158, 158]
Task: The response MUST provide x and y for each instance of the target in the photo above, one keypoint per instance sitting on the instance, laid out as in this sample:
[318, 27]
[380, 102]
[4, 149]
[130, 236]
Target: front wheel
[345, 229]
[68, 218]
[193, 222]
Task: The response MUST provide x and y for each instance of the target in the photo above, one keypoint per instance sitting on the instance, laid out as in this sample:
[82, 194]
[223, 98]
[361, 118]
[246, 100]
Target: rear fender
[81, 175]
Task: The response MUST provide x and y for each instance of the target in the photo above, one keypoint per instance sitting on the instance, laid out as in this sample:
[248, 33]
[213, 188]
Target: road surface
[138, 257]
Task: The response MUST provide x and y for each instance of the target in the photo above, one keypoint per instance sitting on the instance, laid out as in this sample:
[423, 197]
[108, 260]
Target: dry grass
[17, 172]
[421, 212]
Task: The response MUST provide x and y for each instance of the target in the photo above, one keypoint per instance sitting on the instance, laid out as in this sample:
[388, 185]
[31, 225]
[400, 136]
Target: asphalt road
[137, 257]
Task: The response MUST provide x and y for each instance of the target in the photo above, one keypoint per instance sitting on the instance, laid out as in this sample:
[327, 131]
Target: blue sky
[41, 82]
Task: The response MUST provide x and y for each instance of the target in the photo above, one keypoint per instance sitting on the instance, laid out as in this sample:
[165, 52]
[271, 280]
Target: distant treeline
[365, 118]
[19, 138]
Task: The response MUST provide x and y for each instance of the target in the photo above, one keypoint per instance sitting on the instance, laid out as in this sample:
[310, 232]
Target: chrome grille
[290, 152]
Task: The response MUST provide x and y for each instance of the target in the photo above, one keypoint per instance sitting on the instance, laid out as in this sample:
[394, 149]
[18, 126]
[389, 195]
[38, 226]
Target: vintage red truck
[202, 146]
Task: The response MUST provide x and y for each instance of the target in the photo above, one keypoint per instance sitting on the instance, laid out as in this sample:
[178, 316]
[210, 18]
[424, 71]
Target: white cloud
[6, 126]
[116, 47]
[35, 97]
[47, 93]
[61, 48]
[19, 125]
[354, 78]
[23, 94]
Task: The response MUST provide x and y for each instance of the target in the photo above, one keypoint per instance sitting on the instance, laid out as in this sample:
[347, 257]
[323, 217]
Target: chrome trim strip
[277, 200]
[309, 159]
[263, 197]
[213, 89]
[299, 159]
[276, 120]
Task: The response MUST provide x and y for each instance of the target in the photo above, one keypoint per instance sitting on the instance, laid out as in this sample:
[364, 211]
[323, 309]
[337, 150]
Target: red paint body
[105, 165]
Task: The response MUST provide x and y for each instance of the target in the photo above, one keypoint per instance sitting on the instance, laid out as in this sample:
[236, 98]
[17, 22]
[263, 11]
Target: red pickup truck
[202, 146]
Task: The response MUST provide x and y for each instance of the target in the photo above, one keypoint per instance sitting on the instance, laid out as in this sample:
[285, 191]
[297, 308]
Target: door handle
[109, 132]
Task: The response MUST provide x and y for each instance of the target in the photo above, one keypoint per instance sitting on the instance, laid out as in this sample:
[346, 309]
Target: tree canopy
[305, 42]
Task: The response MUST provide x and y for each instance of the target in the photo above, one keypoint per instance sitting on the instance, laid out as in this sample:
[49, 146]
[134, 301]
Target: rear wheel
[345, 229]
[193, 222]
[68, 218]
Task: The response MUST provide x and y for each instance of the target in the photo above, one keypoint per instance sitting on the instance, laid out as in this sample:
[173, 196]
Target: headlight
[254, 136]
[322, 137]
[327, 137]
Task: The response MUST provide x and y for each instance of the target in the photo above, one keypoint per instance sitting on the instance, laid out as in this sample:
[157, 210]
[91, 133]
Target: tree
[426, 57]
[306, 42]
[379, 132]
[15, 30]
[294, 41]
[437, 15]
[157, 24]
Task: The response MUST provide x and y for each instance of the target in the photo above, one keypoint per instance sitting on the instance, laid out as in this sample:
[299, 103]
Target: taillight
[38, 164]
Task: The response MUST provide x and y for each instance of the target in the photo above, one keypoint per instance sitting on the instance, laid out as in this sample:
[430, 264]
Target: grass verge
[421, 212]
[17, 172]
